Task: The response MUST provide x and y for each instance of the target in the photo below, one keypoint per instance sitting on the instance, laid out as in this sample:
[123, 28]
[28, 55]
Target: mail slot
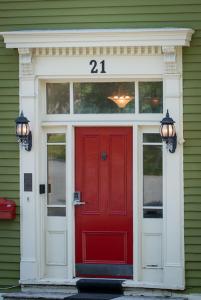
[7, 209]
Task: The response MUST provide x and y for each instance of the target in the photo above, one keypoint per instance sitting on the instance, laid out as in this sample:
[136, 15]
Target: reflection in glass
[151, 97]
[56, 211]
[152, 213]
[56, 175]
[152, 138]
[93, 97]
[57, 98]
[152, 175]
[56, 138]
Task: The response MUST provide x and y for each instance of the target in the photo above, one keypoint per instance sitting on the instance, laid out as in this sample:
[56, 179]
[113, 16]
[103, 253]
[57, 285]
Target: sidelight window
[56, 174]
[152, 176]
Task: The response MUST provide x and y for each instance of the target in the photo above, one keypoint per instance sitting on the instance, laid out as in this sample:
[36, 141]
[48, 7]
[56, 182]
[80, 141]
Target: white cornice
[98, 38]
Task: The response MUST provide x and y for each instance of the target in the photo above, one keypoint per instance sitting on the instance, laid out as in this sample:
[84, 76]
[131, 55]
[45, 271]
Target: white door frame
[130, 53]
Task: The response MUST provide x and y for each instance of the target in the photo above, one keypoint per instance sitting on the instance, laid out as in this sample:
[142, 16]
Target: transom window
[142, 97]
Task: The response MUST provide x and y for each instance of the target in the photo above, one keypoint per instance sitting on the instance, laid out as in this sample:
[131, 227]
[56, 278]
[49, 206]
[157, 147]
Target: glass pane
[152, 213]
[56, 211]
[152, 175]
[151, 97]
[56, 138]
[93, 97]
[56, 175]
[152, 138]
[58, 99]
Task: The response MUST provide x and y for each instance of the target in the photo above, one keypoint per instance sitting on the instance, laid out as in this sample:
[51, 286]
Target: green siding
[79, 14]
[192, 162]
[9, 165]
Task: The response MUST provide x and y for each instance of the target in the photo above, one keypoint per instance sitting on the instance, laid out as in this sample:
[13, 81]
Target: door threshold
[49, 281]
[127, 283]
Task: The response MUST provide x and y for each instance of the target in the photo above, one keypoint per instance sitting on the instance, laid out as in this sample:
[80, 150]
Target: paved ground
[147, 298]
[82, 296]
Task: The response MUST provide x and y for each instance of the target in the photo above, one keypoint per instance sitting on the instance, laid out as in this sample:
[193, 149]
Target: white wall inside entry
[129, 55]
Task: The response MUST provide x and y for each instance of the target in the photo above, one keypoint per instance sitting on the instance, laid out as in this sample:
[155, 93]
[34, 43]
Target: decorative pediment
[110, 42]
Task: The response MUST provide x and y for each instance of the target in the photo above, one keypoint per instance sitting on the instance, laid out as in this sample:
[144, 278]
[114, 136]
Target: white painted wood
[28, 261]
[173, 187]
[98, 37]
[70, 208]
[151, 233]
[80, 66]
[97, 51]
[64, 56]
[54, 251]
[136, 208]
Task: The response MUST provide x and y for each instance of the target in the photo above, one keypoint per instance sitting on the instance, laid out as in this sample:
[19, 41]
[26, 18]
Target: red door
[104, 233]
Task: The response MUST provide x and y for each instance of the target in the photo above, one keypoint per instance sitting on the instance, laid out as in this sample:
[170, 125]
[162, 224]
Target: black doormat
[106, 286]
[98, 289]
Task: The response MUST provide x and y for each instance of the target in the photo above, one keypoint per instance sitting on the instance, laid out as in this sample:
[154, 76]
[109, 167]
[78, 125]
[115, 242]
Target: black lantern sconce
[168, 133]
[23, 132]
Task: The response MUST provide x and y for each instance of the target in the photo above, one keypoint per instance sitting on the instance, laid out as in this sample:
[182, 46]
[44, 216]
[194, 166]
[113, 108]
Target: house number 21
[97, 67]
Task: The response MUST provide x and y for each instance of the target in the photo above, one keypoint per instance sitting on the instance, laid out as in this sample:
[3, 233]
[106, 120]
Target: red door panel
[104, 243]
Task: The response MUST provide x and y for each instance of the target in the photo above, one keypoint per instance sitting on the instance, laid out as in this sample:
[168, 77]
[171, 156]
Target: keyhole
[103, 155]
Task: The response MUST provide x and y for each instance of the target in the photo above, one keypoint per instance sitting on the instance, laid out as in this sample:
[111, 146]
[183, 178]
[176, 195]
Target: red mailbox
[7, 209]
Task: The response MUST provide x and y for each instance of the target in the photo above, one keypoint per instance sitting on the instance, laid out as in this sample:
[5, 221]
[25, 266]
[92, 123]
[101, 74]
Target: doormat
[98, 289]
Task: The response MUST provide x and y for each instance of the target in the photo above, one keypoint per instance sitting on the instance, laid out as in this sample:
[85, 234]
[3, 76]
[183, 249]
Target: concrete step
[33, 296]
[80, 296]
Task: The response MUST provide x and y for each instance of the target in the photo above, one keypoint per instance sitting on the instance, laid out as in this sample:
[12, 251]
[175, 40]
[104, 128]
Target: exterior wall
[9, 165]
[49, 14]
[192, 162]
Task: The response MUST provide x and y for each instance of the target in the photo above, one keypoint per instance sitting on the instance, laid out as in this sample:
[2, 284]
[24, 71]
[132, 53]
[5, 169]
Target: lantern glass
[22, 130]
[167, 130]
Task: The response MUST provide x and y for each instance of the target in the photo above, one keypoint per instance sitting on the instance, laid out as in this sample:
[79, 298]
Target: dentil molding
[97, 42]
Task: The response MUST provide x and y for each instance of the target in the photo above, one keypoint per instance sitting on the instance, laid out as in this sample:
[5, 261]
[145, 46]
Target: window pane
[56, 138]
[151, 97]
[56, 175]
[152, 213]
[152, 138]
[58, 99]
[56, 211]
[152, 175]
[93, 97]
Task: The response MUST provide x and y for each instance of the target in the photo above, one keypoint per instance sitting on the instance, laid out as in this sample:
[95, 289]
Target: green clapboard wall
[80, 14]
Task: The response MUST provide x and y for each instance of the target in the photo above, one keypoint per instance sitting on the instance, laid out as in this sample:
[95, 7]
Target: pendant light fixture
[121, 100]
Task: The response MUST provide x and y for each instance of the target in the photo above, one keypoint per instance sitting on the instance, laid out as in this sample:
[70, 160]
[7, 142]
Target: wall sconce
[168, 133]
[23, 132]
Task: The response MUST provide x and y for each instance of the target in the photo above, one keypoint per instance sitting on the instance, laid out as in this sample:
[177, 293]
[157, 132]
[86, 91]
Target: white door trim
[143, 54]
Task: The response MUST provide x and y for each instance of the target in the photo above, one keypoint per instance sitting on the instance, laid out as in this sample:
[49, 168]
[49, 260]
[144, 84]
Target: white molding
[25, 58]
[170, 59]
[142, 54]
[98, 38]
[97, 51]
